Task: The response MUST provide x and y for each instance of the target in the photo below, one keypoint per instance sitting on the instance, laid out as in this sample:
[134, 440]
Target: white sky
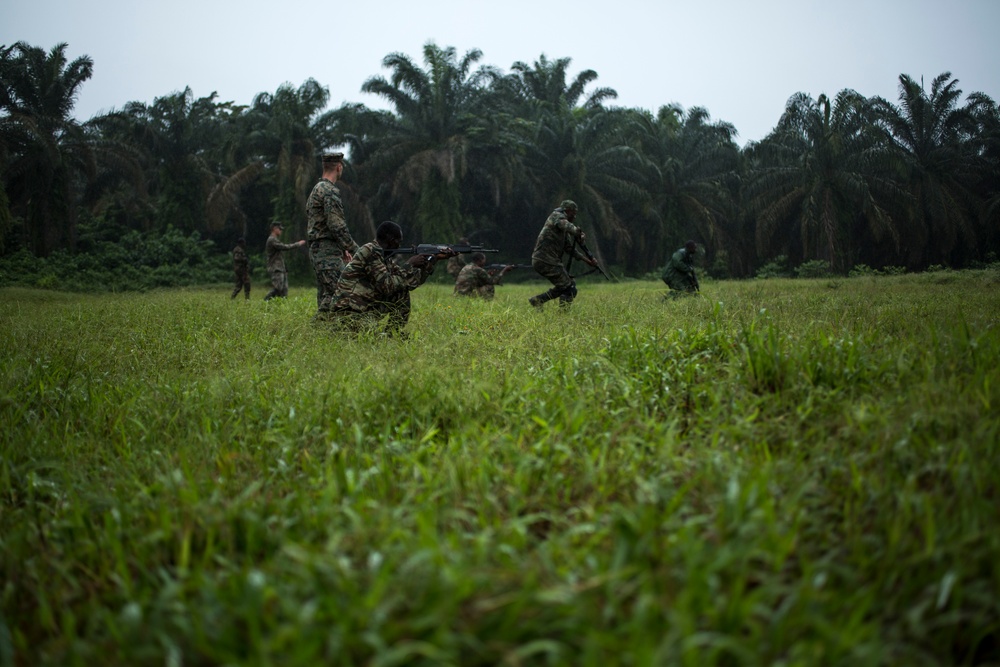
[740, 59]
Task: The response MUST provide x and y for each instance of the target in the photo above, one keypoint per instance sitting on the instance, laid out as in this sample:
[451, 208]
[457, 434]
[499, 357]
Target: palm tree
[586, 155]
[987, 182]
[576, 148]
[543, 87]
[421, 157]
[821, 174]
[284, 138]
[181, 139]
[44, 152]
[693, 168]
[935, 138]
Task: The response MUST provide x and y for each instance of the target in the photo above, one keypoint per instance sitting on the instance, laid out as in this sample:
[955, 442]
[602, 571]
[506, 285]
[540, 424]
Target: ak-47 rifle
[586, 251]
[497, 267]
[429, 249]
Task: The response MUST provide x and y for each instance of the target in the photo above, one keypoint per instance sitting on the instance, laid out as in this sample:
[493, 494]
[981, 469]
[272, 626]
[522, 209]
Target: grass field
[780, 472]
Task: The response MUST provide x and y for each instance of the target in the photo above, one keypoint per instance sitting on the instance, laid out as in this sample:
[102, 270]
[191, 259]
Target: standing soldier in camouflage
[241, 266]
[373, 285]
[679, 274]
[330, 242]
[276, 263]
[558, 237]
[474, 280]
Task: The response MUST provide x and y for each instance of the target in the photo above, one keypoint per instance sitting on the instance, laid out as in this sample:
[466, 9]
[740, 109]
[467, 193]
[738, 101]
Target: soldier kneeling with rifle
[475, 280]
[373, 285]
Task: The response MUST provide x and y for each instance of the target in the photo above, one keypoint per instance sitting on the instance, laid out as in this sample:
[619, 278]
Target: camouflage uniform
[373, 285]
[474, 280]
[241, 267]
[557, 238]
[328, 238]
[455, 265]
[679, 274]
[276, 266]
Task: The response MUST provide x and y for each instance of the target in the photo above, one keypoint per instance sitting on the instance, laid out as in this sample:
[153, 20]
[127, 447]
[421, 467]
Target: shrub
[133, 262]
[814, 268]
[776, 268]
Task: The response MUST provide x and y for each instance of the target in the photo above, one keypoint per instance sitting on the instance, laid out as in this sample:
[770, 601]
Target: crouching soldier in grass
[679, 275]
[474, 280]
[241, 267]
[374, 286]
[276, 262]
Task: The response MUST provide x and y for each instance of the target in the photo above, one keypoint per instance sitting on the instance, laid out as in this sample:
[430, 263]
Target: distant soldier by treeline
[241, 267]
[679, 275]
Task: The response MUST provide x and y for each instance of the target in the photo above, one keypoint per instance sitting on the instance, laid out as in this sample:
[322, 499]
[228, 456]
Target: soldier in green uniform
[330, 242]
[558, 238]
[474, 280]
[373, 285]
[241, 267]
[276, 262]
[679, 274]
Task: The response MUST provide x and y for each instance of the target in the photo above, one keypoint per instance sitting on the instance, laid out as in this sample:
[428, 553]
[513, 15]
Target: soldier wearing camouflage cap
[330, 243]
[558, 237]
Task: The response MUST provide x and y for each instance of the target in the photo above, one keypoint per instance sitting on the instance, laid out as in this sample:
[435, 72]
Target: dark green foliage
[134, 261]
[814, 268]
[469, 150]
[776, 268]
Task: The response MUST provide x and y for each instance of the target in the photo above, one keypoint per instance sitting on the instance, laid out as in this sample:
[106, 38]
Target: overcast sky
[739, 59]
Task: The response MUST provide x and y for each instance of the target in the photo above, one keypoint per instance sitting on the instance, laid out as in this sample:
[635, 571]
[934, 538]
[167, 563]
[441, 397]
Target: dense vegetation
[469, 149]
[796, 472]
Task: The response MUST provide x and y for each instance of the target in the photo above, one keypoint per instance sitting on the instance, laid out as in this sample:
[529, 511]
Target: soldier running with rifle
[559, 237]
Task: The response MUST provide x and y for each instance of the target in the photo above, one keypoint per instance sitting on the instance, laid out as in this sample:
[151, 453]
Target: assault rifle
[497, 267]
[586, 251]
[429, 249]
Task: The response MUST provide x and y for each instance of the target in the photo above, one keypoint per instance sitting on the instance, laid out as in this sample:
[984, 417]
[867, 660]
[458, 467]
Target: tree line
[470, 150]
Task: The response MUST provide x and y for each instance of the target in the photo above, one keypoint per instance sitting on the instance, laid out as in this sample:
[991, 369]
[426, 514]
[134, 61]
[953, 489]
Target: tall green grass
[791, 472]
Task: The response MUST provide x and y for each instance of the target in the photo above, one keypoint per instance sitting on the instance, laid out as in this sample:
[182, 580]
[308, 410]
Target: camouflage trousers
[563, 285]
[676, 280]
[555, 273]
[242, 283]
[327, 261]
[279, 285]
[395, 311]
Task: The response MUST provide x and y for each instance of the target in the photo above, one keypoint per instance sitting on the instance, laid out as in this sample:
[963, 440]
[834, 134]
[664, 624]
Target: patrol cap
[568, 204]
[277, 224]
[333, 158]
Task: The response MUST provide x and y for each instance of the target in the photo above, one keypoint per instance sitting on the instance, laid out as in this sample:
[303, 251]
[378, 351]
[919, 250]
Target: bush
[864, 270]
[814, 268]
[776, 268]
[133, 262]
